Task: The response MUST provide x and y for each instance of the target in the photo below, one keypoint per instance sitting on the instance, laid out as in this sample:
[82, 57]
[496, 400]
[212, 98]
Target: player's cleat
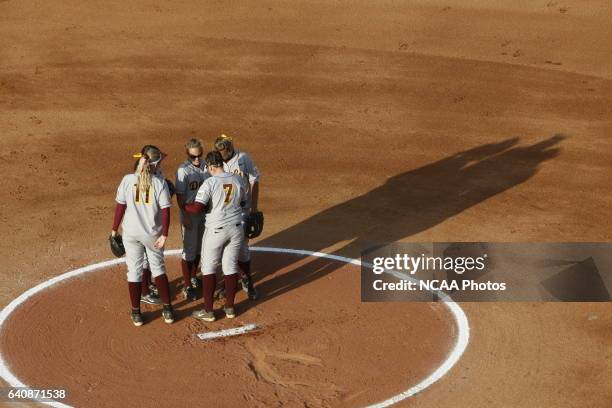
[204, 315]
[153, 289]
[195, 282]
[230, 312]
[137, 318]
[151, 299]
[167, 314]
[190, 293]
[247, 286]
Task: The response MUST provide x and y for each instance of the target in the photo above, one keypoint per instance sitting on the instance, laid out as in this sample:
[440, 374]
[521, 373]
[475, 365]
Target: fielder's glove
[254, 224]
[171, 188]
[116, 245]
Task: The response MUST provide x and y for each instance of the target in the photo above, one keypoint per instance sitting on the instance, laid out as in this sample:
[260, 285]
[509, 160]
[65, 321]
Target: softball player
[149, 292]
[223, 194]
[241, 164]
[143, 211]
[189, 177]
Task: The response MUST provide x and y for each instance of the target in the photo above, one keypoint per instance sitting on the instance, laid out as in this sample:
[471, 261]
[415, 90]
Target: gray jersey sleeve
[243, 189]
[251, 169]
[204, 193]
[163, 196]
[121, 190]
[181, 181]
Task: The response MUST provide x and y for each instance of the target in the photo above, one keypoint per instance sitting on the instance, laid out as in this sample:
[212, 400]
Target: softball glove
[116, 245]
[254, 224]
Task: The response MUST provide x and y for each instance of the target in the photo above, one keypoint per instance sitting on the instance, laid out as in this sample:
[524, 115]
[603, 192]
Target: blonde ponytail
[150, 156]
[144, 175]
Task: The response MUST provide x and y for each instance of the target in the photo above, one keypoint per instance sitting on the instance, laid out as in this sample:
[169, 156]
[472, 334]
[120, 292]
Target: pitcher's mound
[318, 344]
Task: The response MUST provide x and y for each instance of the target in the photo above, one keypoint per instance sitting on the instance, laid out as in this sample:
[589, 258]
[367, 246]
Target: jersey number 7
[228, 188]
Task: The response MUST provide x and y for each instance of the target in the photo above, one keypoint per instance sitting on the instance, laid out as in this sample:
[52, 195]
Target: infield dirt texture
[440, 120]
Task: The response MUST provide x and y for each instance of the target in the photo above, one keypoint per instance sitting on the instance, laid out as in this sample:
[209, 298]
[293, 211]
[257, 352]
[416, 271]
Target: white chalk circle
[463, 328]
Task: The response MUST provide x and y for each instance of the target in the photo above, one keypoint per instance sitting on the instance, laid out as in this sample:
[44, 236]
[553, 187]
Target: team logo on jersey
[195, 185]
[239, 173]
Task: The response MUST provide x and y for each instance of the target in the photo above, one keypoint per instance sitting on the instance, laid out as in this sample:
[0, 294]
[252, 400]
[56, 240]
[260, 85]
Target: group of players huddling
[215, 196]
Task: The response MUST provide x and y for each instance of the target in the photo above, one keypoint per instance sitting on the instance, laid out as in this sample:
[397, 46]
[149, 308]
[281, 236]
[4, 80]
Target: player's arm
[181, 190]
[180, 199]
[164, 203]
[195, 208]
[161, 240]
[254, 176]
[119, 208]
[254, 195]
[181, 187]
[202, 198]
[119, 213]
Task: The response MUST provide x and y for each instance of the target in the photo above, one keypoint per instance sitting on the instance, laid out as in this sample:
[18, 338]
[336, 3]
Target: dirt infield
[299, 354]
[388, 121]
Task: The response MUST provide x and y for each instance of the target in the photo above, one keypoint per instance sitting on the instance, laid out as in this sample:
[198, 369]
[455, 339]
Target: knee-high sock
[231, 284]
[134, 288]
[245, 268]
[186, 269]
[163, 288]
[146, 281]
[209, 282]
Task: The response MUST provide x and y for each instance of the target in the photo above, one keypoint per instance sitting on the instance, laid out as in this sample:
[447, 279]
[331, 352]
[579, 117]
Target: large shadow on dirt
[404, 205]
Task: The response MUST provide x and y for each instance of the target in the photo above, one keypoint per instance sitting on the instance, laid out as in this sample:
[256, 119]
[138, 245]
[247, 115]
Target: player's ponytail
[150, 156]
[144, 174]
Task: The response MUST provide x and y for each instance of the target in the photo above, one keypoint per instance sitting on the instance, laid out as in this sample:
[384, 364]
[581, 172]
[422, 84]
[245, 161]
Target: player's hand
[161, 241]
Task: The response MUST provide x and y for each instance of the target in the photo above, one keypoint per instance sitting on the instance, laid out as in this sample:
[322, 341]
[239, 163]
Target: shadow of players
[406, 204]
